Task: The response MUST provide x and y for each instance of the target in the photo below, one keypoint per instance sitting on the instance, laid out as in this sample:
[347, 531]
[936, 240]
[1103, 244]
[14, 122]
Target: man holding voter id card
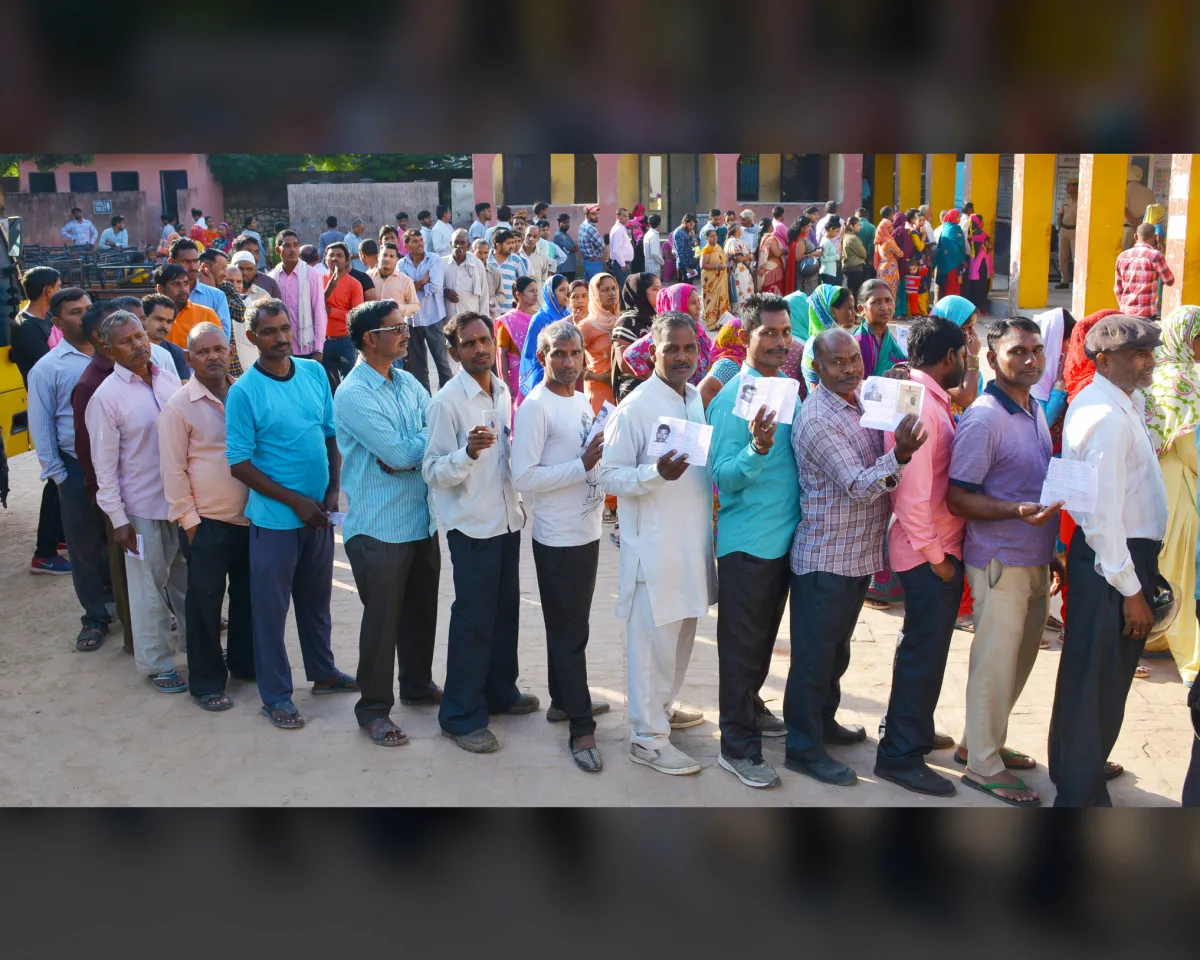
[1113, 560]
[467, 464]
[667, 579]
[755, 472]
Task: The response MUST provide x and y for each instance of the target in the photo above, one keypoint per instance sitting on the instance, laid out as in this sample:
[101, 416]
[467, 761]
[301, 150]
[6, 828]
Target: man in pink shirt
[122, 421]
[303, 293]
[925, 543]
[778, 227]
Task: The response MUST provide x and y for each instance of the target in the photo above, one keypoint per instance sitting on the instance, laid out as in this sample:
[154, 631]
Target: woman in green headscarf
[828, 306]
[1172, 414]
[797, 302]
[964, 314]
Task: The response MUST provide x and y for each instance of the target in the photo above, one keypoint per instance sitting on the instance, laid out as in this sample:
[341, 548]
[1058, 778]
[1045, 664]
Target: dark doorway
[586, 189]
[868, 173]
[171, 181]
[526, 178]
[83, 183]
[682, 185]
[800, 177]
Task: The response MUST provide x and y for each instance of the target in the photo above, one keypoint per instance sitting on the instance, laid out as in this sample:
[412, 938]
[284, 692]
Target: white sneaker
[669, 760]
[681, 718]
[753, 772]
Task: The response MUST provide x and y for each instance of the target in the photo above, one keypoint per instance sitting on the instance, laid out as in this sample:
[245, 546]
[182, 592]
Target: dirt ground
[85, 729]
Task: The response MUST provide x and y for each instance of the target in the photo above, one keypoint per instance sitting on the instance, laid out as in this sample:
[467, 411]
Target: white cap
[242, 256]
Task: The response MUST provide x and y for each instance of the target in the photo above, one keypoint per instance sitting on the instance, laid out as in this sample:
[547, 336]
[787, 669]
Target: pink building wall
[206, 192]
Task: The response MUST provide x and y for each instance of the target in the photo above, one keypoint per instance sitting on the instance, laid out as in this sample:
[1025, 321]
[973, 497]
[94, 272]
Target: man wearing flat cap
[1113, 558]
[1067, 212]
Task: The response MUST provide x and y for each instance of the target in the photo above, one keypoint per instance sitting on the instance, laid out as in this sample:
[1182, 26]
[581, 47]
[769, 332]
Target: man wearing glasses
[390, 533]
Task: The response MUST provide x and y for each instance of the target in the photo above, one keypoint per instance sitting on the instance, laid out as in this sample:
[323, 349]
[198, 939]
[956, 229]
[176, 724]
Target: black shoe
[1061, 286]
[433, 696]
[826, 769]
[841, 736]
[919, 780]
[943, 741]
[525, 703]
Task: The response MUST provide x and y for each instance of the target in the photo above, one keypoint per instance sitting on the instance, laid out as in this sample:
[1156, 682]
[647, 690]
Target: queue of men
[177, 491]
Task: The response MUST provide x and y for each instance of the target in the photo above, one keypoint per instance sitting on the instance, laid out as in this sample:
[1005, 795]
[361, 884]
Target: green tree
[239, 169]
[44, 161]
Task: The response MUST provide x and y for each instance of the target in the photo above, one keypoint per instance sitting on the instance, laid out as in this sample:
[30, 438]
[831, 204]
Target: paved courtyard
[85, 729]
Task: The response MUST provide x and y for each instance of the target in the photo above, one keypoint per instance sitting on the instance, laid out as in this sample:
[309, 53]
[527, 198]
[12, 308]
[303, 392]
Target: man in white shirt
[115, 237]
[667, 575]
[531, 249]
[1112, 564]
[930, 231]
[464, 279]
[442, 232]
[353, 241]
[466, 463]
[425, 219]
[620, 246]
[555, 467]
[652, 244]
[78, 231]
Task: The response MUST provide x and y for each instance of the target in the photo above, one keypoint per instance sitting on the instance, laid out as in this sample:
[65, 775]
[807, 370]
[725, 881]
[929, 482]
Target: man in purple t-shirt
[999, 458]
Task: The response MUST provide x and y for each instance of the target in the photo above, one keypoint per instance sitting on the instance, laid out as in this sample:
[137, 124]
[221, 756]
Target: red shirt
[347, 295]
[1138, 271]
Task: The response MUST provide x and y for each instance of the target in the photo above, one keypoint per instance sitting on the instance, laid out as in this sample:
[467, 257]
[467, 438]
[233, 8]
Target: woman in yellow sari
[1172, 414]
[714, 278]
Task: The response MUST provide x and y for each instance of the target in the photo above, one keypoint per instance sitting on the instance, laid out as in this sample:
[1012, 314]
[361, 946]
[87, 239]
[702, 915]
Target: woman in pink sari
[511, 329]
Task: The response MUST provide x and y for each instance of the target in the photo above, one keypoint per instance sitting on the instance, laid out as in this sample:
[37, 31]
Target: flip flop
[877, 604]
[293, 722]
[991, 788]
[380, 735]
[342, 683]
[965, 624]
[169, 682]
[1112, 770]
[1142, 672]
[1006, 755]
[214, 702]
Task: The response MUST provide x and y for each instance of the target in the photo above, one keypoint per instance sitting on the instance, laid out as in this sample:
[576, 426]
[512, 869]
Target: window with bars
[747, 176]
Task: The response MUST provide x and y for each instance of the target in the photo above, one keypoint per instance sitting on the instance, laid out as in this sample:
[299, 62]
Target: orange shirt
[347, 295]
[187, 318]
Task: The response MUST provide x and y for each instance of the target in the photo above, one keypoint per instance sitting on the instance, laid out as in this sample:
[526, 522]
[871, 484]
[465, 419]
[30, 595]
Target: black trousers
[1095, 673]
[751, 595]
[120, 588]
[50, 526]
[481, 654]
[424, 343]
[83, 523]
[217, 558]
[855, 277]
[1191, 783]
[825, 608]
[930, 609]
[566, 580]
[398, 586]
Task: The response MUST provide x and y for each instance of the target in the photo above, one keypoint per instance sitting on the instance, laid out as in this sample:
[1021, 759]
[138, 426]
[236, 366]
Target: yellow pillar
[1032, 211]
[981, 185]
[769, 165]
[708, 185]
[562, 178]
[939, 183]
[1099, 229]
[883, 190]
[1183, 235]
[908, 179]
[498, 180]
[627, 180]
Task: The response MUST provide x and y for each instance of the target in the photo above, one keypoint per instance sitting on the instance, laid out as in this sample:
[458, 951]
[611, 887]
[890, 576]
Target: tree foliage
[44, 161]
[240, 169]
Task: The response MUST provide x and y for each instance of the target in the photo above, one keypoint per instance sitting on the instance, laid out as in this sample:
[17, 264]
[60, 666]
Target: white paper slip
[140, 553]
[601, 421]
[337, 518]
[902, 337]
[886, 401]
[1073, 481]
[777, 394]
[682, 436]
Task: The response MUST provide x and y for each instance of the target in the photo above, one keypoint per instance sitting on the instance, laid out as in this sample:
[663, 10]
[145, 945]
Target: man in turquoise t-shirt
[755, 472]
[280, 443]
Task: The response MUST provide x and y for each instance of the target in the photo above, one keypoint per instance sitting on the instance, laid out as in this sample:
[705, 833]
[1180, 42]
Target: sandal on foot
[91, 637]
[1044, 643]
[615, 537]
[284, 715]
[379, 729]
[587, 759]
[1112, 770]
[1013, 759]
[877, 604]
[965, 624]
[342, 683]
[214, 702]
[1142, 672]
[169, 682]
[991, 788]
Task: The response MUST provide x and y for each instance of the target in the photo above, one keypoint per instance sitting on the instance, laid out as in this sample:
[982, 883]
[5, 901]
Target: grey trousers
[162, 568]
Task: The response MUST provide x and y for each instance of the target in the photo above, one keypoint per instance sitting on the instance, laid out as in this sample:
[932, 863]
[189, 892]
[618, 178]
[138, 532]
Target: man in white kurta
[667, 575]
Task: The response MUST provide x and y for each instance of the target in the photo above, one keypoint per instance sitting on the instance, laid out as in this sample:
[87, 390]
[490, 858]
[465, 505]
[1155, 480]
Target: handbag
[810, 266]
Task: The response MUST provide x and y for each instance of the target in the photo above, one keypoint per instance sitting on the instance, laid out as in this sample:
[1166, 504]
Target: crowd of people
[197, 443]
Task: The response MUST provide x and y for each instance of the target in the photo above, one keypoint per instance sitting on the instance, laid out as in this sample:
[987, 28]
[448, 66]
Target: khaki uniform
[1067, 213]
[1137, 198]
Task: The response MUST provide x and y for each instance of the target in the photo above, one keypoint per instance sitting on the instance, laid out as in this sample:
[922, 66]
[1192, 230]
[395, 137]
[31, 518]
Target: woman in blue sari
[556, 294]
[951, 254]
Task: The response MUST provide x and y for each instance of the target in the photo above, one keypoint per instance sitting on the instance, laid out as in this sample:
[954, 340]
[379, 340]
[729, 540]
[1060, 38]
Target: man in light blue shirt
[115, 237]
[52, 427]
[332, 235]
[504, 213]
[353, 240]
[754, 469]
[428, 340]
[185, 253]
[564, 241]
[279, 441]
[250, 229]
[479, 229]
[390, 532]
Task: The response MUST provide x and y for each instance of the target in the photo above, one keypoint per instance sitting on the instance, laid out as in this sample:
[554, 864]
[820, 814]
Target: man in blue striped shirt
[512, 266]
[390, 531]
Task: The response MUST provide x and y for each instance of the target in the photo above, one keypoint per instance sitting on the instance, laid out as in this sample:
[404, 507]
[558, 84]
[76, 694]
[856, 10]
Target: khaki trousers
[1011, 606]
[1066, 252]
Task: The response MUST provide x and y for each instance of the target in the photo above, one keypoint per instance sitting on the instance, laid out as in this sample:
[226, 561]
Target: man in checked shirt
[844, 480]
[1139, 270]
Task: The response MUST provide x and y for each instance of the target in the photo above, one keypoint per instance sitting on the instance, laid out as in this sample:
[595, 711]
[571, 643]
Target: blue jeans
[930, 609]
[338, 357]
[591, 268]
